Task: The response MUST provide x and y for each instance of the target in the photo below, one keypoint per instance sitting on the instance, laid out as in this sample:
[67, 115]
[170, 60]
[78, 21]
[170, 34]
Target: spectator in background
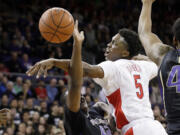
[52, 90]
[3, 84]
[14, 118]
[18, 86]
[25, 117]
[60, 87]
[29, 130]
[13, 63]
[27, 92]
[41, 130]
[22, 129]
[4, 101]
[41, 91]
[10, 131]
[58, 53]
[25, 62]
[155, 95]
[35, 119]
[15, 46]
[61, 112]
[157, 114]
[61, 127]
[3, 68]
[4, 42]
[54, 116]
[44, 110]
[30, 106]
[42, 121]
[20, 105]
[9, 90]
[26, 48]
[90, 37]
[14, 104]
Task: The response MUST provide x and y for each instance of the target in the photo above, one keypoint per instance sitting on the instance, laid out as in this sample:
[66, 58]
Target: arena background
[37, 105]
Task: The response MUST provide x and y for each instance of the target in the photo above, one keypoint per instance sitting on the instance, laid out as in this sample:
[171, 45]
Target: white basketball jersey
[126, 86]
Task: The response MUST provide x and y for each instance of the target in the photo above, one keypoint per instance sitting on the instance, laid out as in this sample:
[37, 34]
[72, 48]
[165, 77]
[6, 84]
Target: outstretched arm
[76, 72]
[153, 46]
[41, 68]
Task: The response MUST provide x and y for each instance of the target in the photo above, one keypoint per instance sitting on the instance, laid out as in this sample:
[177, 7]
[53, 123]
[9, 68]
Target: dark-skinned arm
[75, 72]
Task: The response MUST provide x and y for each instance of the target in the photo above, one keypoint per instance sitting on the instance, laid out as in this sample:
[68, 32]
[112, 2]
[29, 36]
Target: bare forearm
[76, 74]
[88, 70]
[145, 22]
[76, 71]
[63, 64]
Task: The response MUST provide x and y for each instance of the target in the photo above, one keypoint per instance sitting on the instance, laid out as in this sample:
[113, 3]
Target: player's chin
[106, 56]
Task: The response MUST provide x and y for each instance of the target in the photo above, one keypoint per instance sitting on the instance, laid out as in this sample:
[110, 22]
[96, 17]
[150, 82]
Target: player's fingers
[30, 70]
[5, 110]
[45, 72]
[82, 33]
[76, 24]
[34, 69]
[40, 71]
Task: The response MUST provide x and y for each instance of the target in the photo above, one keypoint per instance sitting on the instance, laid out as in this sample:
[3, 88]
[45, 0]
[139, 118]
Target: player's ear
[125, 53]
[175, 42]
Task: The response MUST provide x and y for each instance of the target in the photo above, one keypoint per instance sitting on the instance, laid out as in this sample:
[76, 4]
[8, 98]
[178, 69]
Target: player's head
[176, 32]
[83, 103]
[124, 44]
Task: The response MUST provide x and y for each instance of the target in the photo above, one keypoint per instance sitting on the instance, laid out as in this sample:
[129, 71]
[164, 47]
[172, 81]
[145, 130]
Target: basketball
[56, 25]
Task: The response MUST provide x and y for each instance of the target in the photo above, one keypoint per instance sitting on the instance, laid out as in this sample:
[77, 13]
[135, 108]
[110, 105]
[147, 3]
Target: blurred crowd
[37, 105]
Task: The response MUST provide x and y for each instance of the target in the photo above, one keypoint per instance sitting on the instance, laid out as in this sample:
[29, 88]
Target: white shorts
[144, 127]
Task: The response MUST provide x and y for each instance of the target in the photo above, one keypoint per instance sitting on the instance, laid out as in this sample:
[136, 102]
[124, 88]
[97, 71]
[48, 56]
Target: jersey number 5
[139, 94]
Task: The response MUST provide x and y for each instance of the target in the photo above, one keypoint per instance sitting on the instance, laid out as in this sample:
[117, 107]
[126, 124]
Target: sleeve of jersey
[109, 69]
[153, 68]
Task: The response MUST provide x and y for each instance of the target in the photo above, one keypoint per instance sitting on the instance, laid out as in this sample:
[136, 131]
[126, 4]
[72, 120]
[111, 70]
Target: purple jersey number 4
[174, 78]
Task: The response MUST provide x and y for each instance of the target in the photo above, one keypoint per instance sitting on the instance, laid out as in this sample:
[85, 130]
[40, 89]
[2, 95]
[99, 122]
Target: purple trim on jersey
[103, 132]
[161, 88]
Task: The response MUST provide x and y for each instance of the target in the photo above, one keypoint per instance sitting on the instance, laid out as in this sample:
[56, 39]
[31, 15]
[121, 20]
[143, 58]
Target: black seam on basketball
[54, 29]
[66, 34]
[58, 37]
[53, 19]
[58, 25]
[62, 27]
[52, 34]
[48, 25]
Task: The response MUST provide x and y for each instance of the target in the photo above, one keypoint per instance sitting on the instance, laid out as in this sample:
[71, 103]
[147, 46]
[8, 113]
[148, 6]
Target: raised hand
[78, 36]
[40, 68]
[151, 1]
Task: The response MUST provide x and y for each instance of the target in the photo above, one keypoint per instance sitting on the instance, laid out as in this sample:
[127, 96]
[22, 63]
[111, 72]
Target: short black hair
[134, 44]
[176, 29]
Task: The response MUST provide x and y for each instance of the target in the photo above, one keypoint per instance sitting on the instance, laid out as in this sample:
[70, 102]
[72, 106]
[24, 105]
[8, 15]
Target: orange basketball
[56, 25]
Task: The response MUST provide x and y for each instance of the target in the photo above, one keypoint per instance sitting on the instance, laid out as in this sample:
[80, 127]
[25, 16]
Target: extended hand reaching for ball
[151, 1]
[41, 68]
[78, 36]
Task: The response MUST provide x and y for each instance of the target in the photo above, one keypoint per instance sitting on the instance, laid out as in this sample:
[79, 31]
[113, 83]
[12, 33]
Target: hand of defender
[40, 68]
[148, 1]
[78, 36]
[3, 116]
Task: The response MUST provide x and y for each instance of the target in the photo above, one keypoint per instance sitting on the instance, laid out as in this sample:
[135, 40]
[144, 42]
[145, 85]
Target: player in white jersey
[125, 78]
[125, 85]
